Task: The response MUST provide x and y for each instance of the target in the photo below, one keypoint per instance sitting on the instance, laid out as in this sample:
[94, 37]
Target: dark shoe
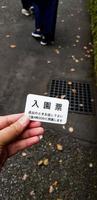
[36, 34]
[43, 41]
[31, 10]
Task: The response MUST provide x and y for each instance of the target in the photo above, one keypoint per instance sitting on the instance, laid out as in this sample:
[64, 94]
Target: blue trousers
[26, 4]
[45, 17]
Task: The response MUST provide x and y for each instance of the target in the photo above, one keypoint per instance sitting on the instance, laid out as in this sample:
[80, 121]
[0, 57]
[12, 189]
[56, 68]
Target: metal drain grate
[78, 93]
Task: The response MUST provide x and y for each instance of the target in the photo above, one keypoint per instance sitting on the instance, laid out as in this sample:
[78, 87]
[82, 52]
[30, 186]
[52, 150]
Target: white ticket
[46, 109]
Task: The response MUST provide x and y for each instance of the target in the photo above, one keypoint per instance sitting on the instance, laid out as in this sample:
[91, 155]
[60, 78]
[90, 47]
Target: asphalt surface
[68, 171]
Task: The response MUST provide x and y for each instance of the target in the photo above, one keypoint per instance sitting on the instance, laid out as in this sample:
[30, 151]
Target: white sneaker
[31, 10]
[25, 12]
[36, 34]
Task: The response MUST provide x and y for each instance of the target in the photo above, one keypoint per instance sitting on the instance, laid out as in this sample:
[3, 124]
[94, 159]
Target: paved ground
[70, 174]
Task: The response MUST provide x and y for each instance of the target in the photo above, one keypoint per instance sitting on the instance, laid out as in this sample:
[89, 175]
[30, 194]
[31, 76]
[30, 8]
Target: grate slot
[78, 93]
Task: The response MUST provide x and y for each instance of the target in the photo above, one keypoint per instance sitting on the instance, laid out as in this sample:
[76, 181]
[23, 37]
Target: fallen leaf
[7, 36]
[72, 70]
[71, 130]
[69, 83]
[25, 177]
[63, 96]
[74, 91]
[78, 36]
[13, 46]
[59, 199]
[81, 59]
[40, 162]
[77, 41]
[64, 127]
[76, 60]
[32, 193]
[51, 189]
[59, 147]
[57, 51]
[60, 161]
[90, 165]
[55, 183]
[81, 105]
[45, 93]
[46, 161]
[85, 47]
[48, 61]
[24, 154]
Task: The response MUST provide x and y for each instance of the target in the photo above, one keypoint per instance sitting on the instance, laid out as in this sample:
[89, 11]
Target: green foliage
[93, 11]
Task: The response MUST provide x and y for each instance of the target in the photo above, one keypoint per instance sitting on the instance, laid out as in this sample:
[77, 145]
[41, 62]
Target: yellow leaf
[46, 161]
[59, 147]
[40, 162]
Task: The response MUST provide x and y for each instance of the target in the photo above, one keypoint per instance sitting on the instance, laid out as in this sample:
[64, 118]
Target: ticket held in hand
[46, 109]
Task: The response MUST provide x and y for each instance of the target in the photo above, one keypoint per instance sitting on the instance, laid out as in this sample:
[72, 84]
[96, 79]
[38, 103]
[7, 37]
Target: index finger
[9, 119]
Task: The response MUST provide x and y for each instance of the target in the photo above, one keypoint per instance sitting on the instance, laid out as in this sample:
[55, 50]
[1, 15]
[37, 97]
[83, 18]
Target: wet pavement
[64, 165]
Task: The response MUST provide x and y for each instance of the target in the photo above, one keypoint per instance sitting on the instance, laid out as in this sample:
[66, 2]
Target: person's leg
[37, 32]
[25, 4]
[50, 20]
[27, 7]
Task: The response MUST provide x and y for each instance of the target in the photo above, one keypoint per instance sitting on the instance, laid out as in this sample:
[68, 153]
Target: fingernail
[24, 120]
[40, 137]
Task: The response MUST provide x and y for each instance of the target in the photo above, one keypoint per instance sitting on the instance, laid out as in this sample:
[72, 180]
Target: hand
[17, 132]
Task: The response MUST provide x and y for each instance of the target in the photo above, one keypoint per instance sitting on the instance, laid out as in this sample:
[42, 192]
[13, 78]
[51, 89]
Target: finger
[20, 145]
[32, 132]
[34, 124]
[9, 119]
[10, 133]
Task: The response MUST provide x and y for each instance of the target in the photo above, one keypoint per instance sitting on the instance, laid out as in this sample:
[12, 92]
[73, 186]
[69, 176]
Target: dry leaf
[85, 47]
[72, 70]
[77, 41]
[59, 147]
[64, 127]
[24, 154]
[78, 36]
[51, 189]
[81, 59]
[60, 161]
[48, 61]
[45, 93]
[55, 183]
[13, 46]
[71, 130]
[63, 96]
[90, 165]
[25, 177]
[46, 161]
[50, 144]
[81, 105]
[7, 36]
[69, 83]
[59, 199]
[32, 193]
[76, 60]
[40, 162]
[92, 100]
[57, 51]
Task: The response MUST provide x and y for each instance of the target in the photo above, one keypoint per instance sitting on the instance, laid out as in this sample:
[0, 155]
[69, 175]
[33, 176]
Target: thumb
[14, 130]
